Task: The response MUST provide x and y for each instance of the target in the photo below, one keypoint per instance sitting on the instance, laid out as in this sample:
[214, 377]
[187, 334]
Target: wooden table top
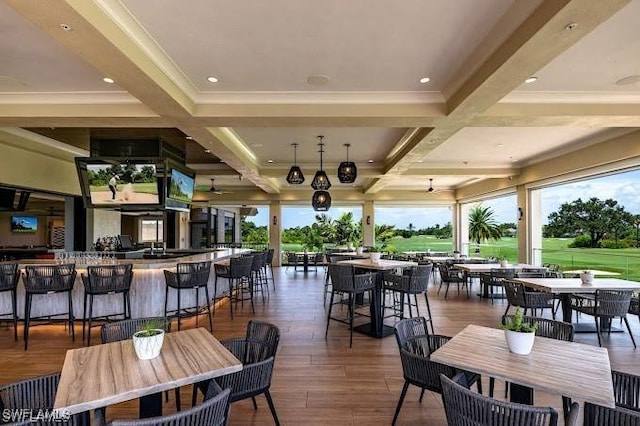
[487, 267]
[101, 375]
[574, 285]
[565, 368]
[381, 265]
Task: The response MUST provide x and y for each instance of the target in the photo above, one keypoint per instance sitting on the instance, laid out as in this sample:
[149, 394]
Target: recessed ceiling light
[269, 161]
[425, 80]
[500, 144]
[108, 80]
[317, 80]
[212, 79]
[257, 145]
[371, 161]
[66, 27]
[571, 26]
[531, 79]
[189, 138]
[207, 151]
[631, 79]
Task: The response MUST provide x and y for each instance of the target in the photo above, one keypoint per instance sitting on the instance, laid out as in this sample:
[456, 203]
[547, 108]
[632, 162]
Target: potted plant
[503, 261]
[456, 254]
[148, 341]
[587, 277]
[375, 254]
[519, 334]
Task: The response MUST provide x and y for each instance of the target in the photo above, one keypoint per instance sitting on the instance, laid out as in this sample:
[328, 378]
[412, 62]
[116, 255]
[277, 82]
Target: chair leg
[352, 303]
[197, 305]
[421, 395]
[426, 299]
[14, 307]
[400, 401]
[326, 331]
[255, 404]
[206, 295]
[90, 322]
[626, 321]
[84, 315]
[27, 319]
[598, 330]
[272, 407]
[178, 403]
[71, 322]
[492, 384]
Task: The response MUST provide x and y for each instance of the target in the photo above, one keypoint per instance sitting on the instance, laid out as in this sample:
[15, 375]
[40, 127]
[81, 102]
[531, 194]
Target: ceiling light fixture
[531, 79]
[425, 80]
[295, 176]
[321, 181]
[66, 27]
[212, 79]
[321, 201]
[370, 161]
[347, 170]
[108, 80]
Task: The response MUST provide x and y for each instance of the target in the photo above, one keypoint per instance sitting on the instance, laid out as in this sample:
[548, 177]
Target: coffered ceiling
[288, 71]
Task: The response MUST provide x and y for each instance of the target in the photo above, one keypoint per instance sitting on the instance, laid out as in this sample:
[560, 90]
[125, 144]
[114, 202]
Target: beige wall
[12, 239]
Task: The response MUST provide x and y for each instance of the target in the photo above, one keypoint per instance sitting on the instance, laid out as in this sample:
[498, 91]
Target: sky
[623, 187]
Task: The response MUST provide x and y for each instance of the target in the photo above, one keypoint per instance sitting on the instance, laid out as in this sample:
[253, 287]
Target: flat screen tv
[121, 183]
[180, 186]
[24, 224]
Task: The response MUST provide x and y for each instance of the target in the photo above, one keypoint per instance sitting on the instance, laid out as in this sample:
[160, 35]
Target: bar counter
[147, 288]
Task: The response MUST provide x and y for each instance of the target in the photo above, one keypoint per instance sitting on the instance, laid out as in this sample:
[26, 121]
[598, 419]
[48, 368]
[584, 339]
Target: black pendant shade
[321, 181]
[321, 201]
[295, 176]
[347, 170]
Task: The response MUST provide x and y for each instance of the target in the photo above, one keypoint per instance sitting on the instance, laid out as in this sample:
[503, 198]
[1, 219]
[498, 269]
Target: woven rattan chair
[237, 272]
[189, 276]
[106, 280]
[496, 278]
[411, 283]
[597, 415]
[604, 307]
[258, 281]
[344, 280]
[9, 277]
[519, 297]
[212, 412]
[269, 267]
[626, 390]
[450, 275]
[38, 393]
[125, 329]
[416, 345]
[465, 407]
[257, 352]
[43, 280]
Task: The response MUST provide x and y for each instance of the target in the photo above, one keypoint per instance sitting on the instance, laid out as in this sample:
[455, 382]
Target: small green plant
[376, 249]
[518, 324]
[150, 328]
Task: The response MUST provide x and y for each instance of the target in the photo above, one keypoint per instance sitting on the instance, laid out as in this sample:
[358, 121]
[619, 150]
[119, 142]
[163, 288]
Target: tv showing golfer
[122, 184]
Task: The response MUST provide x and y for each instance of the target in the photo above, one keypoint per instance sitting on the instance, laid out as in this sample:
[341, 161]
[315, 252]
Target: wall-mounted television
[180, 186]
[125, 184]
[24, 224]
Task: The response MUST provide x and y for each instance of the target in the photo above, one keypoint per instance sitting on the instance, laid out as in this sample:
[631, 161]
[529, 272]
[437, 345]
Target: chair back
[409, 329]
[448, 273]
[108, 278]
[258, 260]
[270, 254]
[626, 390]
[549, 328]
[213, 411]
[125, 329]
[515, 293]
[265, 333]
[44, 279]
[612, 303]
[344, 279]
[420, 277]
[240, 266]
[9, 276]
[530, 274]
[502, 273]
[597, 415]
[465, 407]
[193, 274]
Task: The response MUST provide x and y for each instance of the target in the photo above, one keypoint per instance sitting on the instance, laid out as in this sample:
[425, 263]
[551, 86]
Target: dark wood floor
[316, 381]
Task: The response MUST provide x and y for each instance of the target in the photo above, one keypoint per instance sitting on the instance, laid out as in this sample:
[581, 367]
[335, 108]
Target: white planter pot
[586, 278]
[518, 342]
[375, 257]
[148, 347]
[359, 250]
[504, 263]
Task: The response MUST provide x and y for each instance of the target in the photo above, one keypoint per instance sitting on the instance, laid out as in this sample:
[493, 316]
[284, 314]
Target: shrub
[612, 244]
[581, 241]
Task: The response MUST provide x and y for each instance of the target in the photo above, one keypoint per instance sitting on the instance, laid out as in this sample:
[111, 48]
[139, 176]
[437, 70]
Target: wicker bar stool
[106, 280]
[9, 276]
[238, 270]
[45, 280]
[188, 276]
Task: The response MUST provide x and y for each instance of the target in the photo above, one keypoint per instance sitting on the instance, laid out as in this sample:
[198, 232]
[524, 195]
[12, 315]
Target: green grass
[555, 250]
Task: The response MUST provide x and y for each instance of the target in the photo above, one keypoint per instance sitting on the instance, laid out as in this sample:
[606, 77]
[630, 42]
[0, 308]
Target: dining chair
[450, 275]
[519, 297]
[214, 411]
[465, 407]
[345, 281]
[35, 394]
[412, 282]
[604, 307]
[416, 345]
[597, 415]
[626, 390]
[9, 277]
[237, 274]
[189, 276]
[106, 280]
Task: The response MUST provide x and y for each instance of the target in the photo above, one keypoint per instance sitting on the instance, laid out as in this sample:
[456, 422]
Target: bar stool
[45, 280]
[236, 272]
[106, 280]
[269, 265]
[9, 276]
[189, 276]
[258, 279]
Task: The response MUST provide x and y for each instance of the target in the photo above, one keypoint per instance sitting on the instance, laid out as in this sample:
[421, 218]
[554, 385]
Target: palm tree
[482, 225]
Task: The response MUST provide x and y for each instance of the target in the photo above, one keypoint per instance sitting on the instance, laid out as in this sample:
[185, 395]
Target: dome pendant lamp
[295, 176]
[347, 170]
[321, 201]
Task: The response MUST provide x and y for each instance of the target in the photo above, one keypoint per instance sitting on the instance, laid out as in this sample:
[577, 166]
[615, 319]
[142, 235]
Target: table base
[369, 331]
[150, 405]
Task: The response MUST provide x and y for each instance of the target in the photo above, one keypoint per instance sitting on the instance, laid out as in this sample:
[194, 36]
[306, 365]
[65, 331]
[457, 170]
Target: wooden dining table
[565, 287]
[573, 370]
[376, 327]
[101, 375]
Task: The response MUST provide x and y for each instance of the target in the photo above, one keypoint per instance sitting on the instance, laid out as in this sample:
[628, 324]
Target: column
[275, 224]
[368, 224]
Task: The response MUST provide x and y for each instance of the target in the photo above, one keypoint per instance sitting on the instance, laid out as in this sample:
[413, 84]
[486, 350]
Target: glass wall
[151, 230]
[413, 228]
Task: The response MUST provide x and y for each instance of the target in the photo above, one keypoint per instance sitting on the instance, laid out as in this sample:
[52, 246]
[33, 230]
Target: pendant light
[321, 201]
[321, 181]
[295, 176]
[347, 170]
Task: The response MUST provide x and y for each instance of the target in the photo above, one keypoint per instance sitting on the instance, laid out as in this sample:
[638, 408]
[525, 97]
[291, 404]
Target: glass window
[229, 228]
[151, 230]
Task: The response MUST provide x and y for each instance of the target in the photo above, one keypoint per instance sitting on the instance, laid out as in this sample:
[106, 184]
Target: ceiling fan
[432, 190]
[216, 191]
